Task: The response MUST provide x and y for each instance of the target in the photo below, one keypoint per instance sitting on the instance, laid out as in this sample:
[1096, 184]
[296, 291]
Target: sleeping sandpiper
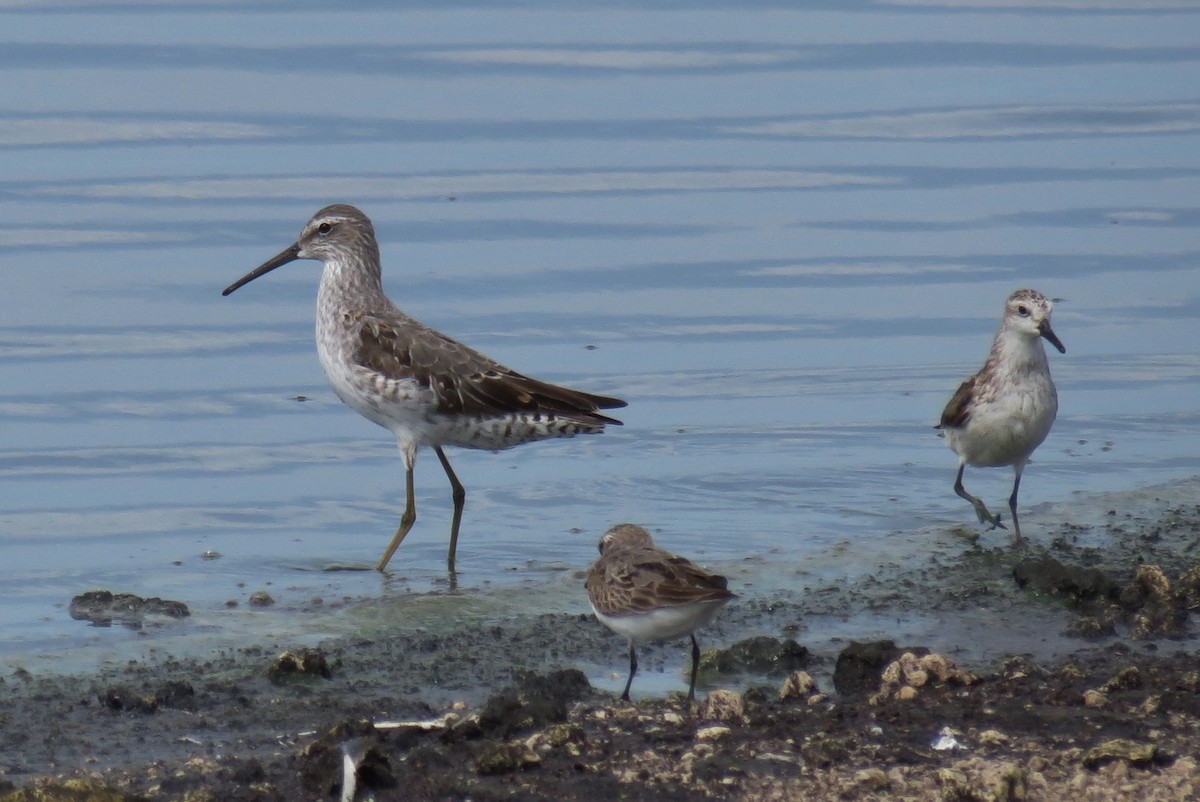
[647, 594]
[1002, 413]
[426, 388]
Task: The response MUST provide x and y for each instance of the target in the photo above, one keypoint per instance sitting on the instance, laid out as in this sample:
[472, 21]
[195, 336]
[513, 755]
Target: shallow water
[787, 235]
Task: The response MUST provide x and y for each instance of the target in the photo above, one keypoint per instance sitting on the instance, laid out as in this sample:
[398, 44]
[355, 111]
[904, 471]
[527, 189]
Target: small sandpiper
[1002, 413]
[647, 594]
[424, 387]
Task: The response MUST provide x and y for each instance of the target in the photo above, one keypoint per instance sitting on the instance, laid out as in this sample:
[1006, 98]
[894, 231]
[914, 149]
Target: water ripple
[996, 122]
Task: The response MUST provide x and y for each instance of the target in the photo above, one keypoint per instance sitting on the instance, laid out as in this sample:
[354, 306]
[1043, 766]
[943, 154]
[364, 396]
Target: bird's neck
[344, 281]
[1020, 351]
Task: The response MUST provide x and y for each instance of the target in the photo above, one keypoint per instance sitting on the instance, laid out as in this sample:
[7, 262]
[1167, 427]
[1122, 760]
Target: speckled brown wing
[682, 581]
[958, 411]
[609, 587]
[637, 581]
[465, 381]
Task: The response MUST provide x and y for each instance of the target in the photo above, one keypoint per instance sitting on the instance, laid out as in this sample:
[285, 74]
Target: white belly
[402, 406]
[663, 623]
[1006, 430]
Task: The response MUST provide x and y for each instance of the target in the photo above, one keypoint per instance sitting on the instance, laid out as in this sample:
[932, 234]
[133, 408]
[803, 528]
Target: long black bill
[1043, 329]
[290, 254]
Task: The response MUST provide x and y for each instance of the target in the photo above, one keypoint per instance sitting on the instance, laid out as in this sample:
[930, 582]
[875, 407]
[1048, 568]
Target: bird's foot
[986, 517]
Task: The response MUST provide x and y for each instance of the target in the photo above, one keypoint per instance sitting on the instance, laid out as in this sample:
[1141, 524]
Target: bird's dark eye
[325, 228]
[1023, 311]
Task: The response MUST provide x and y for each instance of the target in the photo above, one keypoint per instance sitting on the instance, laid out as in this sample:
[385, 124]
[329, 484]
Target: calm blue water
[788, 235]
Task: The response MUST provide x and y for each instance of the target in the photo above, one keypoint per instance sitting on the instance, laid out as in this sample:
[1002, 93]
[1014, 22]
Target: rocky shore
[499, 709]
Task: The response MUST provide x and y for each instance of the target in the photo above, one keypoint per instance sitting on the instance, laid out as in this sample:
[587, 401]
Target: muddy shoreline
[1106, 707]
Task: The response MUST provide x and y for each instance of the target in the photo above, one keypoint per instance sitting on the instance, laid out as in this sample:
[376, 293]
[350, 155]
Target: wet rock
[1010, 783]
[1148, 583]
[1149, 706]
[1092, 626]
[1154, 609]
[904, 676]
[713, 733]
[860, 665]
[759, 655]
[260, 598]
[165, 608]
[723, 705]
[944, 670]
[321, 764]
[175, 694]
[1140, 755]
[103, 608]
[1188, 586]
[760, 695]
[1126, 679]
[1018, 668]
[70, 791]
[992, 737]
[871, 781]
[372, 768]
[568, 737]
[304, 665]
[1076, 583]
[127, 700]
[505, 712]
[565, 685]
[955, 785]
[971, 782]
[1071, 673]
[705, 763]
[538, 700]
[247, 771]
[505, 757]
[798, 685]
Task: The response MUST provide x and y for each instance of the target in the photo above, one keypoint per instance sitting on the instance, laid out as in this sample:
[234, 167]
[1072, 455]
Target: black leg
[459, 495]
[632, 670]
[695, 666]
[985, 517]
[1012, 505]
